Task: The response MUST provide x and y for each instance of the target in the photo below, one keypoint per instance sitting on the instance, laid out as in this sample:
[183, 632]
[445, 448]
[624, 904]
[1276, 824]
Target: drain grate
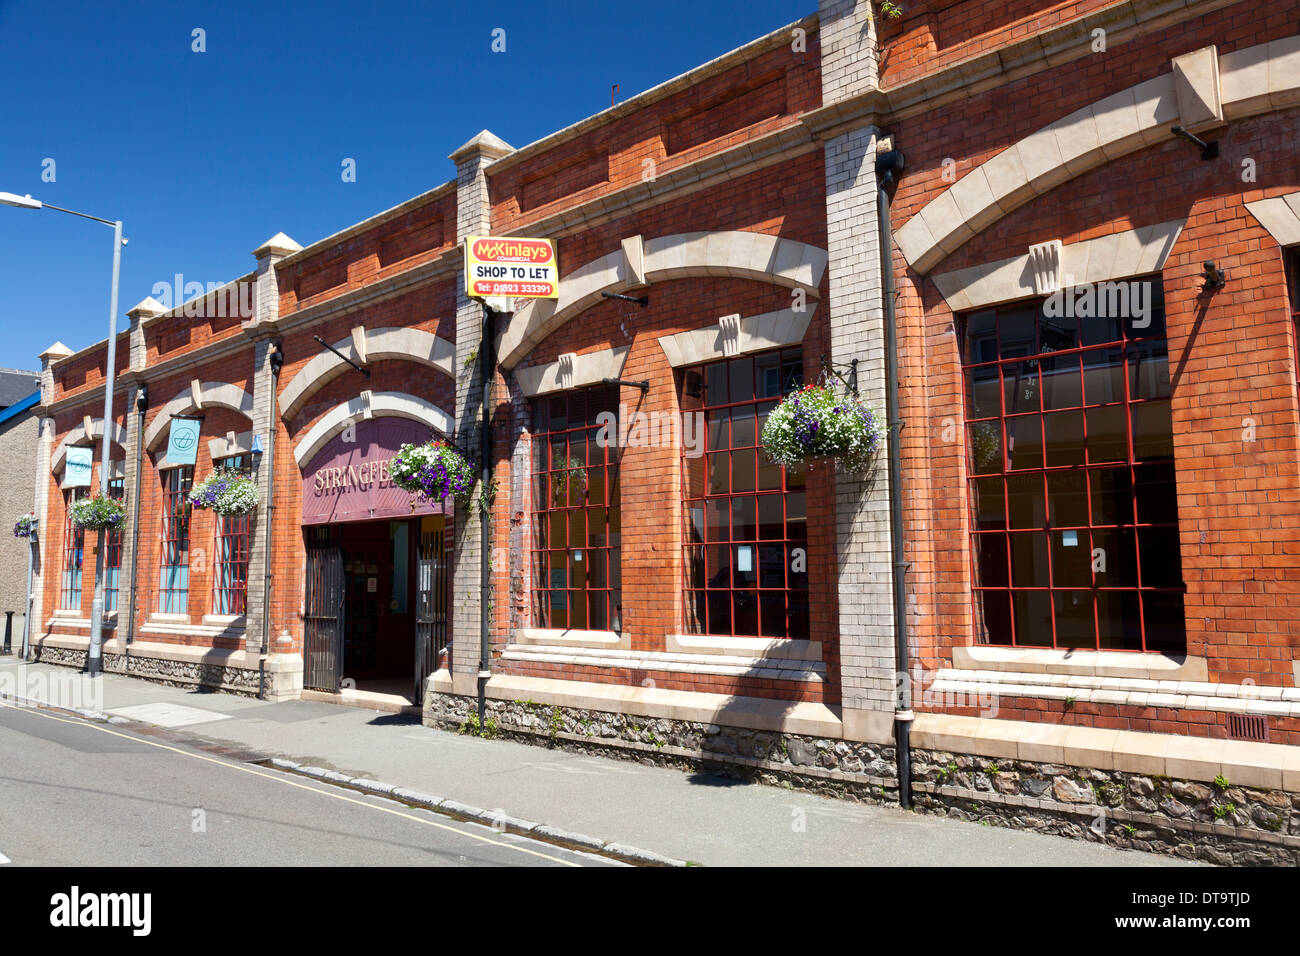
[1247, 727]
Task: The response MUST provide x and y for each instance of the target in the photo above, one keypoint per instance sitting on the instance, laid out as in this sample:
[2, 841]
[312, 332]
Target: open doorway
[376, 605]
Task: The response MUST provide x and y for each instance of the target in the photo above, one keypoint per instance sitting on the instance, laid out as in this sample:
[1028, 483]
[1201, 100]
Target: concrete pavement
[700, 818]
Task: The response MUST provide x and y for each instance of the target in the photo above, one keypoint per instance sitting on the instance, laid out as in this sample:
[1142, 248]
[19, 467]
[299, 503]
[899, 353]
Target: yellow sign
[510, 267]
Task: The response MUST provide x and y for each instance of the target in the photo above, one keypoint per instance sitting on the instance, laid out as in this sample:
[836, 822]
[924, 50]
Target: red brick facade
[745, 145]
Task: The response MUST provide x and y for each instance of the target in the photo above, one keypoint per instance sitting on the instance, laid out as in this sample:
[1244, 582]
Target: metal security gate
[431, 604]
[323, 667]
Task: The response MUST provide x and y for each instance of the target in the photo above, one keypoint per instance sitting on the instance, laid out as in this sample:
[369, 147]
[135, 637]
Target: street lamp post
[95, 656]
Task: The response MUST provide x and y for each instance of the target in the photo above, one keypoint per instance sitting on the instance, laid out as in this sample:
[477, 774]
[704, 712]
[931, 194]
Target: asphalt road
[79, 793]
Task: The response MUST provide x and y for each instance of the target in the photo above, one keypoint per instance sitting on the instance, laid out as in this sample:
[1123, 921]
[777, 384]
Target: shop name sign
[509, 267]
[347, 477]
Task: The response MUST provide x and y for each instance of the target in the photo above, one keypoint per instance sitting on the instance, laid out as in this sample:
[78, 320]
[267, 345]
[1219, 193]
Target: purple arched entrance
[376, 592]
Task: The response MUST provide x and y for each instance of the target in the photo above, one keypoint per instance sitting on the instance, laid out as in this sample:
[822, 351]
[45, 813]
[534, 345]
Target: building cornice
[433, 195]
[1024, 57]
[741, 54]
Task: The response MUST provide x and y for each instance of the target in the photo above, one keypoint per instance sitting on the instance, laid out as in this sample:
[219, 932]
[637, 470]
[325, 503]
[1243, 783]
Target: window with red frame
[113, 554]
[746, 528]
[575, 557]
[230, 582]
[74, 546]
[1074, 510]
[174, 577]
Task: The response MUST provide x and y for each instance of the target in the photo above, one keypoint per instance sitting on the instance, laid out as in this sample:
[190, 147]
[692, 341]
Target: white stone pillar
[473, 218]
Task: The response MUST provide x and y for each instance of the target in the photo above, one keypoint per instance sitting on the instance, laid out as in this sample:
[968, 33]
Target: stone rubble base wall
[1218, 823]
[857, 771]
[232, 680]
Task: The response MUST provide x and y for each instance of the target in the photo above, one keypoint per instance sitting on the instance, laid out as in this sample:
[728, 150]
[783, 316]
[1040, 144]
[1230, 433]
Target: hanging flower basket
[228, 493]
[822, 422]
[433, 471]
[97, 514]
[25, 527]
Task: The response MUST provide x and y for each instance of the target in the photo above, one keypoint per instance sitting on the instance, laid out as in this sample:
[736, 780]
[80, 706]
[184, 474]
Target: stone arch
[1202, 91]
[370, 405]
[196, 398]
[746, 255]
[365, 346]
[78, 436]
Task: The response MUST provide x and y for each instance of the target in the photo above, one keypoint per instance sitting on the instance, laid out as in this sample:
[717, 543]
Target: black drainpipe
[488, 374]
[889, 166]
[141, 406]
[276, 359]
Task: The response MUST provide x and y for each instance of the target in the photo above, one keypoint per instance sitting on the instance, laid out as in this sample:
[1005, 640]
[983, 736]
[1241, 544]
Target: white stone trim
[1243, 763]
[210, 394]
[755, 333]
[372, 345]
[747, 255]
[1080, 663]
[555, 637]
[231, 444]
[752, 647]
[1120, 255]
[78, 436]
[721, 665]
[753, 713]
[587, 369]
[1249, 82]
[1280, 216]
[967, 685]
[381, 405]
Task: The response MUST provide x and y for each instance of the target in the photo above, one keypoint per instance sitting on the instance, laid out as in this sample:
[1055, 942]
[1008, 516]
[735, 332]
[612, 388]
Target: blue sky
[205, 155]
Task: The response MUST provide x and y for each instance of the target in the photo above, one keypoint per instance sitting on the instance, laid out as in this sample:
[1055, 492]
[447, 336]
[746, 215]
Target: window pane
[990, 506]
[742, 379]
[1067, 496]
[1107, 434]
[1029, 567]
[1062, 382]
[1119, 622]
[1064, 439]
[986, 447]
[991, 555]
[744, 466]
[1026, 503]
[1116, 557]
[1033, 618]
[1112, 496]
[1071, 559]
[1020, 387]
[744, 524]
[985, 392]
[1162, 565]
[1103, 376]
[993, 610]
[1025, 442]
[1153, 431]
[770, 517]
[1075, 624]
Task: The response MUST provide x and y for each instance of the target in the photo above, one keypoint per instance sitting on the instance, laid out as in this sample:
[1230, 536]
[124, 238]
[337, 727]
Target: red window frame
[745, 517]
[113, 552]
[232, 544]
[74, 552]
[174, 555]
[1041, 517]
[575, 501]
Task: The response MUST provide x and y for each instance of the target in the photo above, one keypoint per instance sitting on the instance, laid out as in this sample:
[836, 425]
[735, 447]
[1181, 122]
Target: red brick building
[1090, 277]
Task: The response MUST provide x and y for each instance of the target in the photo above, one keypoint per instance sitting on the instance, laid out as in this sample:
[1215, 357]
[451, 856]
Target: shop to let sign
[509, 267]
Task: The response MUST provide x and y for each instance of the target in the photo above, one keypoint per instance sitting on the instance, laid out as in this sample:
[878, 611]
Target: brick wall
[1231, 356]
